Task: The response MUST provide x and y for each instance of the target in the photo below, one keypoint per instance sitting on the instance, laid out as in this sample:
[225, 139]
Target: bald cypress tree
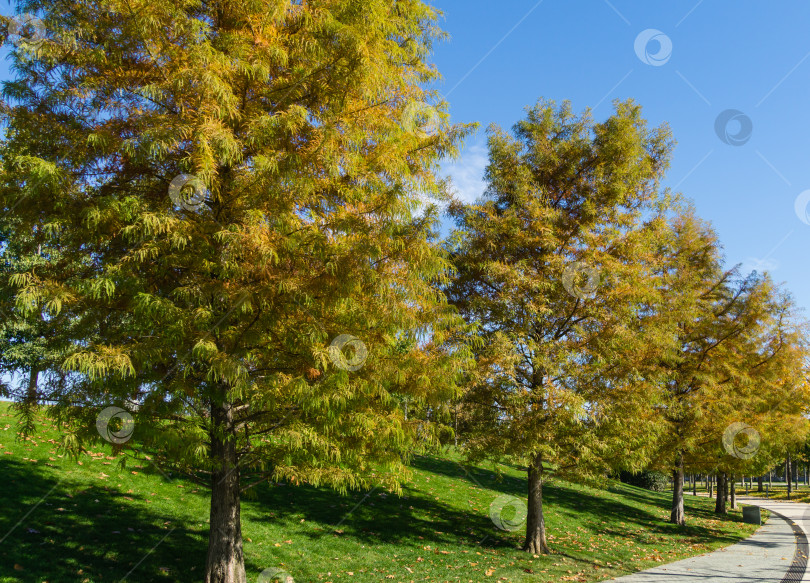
[738, 359]
[231, 187]
[556, 265]
[30, 349]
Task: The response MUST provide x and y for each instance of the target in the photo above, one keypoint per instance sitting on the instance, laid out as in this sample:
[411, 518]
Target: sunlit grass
[90, 521]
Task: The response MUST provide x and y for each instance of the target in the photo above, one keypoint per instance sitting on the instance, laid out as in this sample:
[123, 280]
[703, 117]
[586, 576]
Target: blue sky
[753, 57]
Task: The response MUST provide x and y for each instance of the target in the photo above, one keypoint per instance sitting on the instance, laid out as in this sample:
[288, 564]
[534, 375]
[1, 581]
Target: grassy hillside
[90, 521]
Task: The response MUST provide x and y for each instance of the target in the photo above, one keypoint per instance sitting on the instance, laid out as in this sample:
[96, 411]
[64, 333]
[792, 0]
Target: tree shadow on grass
[695, 506]
[372, 517]
[589, 507]
[474, 475]
[62, 531]
[376, 517]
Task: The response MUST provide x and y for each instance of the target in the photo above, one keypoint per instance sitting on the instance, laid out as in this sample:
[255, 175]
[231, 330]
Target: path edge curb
[795, 573]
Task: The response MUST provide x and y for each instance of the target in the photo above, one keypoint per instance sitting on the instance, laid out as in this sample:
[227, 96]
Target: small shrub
[649, 480]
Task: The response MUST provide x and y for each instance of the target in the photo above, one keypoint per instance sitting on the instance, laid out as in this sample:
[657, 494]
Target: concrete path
[776, 553]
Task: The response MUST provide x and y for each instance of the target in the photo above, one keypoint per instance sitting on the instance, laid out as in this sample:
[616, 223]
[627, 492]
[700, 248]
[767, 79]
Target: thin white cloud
[467, 173]
[759, 265]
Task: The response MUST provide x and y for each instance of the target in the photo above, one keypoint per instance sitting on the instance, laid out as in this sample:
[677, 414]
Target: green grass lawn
[779, 492]
[90, 521]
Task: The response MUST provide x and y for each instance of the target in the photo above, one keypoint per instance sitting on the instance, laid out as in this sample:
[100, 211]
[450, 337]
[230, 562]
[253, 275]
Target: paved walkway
[776, 553]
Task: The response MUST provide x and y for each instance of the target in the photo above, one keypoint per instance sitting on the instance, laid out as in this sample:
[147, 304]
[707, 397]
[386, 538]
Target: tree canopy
[556, 262]
[217, 192]
[216, 218]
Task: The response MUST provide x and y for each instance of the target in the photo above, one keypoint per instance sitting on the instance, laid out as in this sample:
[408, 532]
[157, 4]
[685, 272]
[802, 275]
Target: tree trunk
[455, 427]
[535, 523]
[760, 486]
[677, 515]
[709, 485]
[694, 484]
[717, 491]
[31, 396]
[720, 504]
[225, 562]
[788, 475]
[734, 493]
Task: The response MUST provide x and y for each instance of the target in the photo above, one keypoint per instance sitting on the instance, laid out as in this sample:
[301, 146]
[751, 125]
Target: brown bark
[225, 562]
[733, 493]
[455, 426]
[710, 485]
[535, 523]
[720, 504]
[31, 396]
[788, 475]
[677, 515]
[760, 486]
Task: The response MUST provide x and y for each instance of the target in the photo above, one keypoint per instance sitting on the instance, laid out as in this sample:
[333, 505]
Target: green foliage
[647, 479]
[614, 338]
[306, 232]
[211, 303]
[563, 375]
[740, 356]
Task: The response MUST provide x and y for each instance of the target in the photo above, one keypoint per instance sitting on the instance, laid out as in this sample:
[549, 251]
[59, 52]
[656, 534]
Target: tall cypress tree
[231, 187]
[738, 355]
[31, 350]
[556, 265]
